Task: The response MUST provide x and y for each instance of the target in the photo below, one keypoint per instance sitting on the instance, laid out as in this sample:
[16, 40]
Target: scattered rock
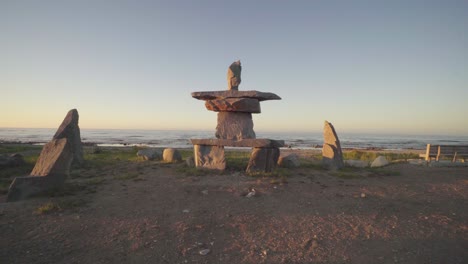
[289, 161]
[363, 195]
[186, 211]
[204, 192]
[331, 151]
[251, 193]
[204, 252]
[380, 161]
[150, 154]
[171, 155]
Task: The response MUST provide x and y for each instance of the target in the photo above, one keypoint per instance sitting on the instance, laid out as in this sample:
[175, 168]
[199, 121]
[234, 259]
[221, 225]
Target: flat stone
[69, 129]
[263, 159]
[209, 157]
[247, 105]
[258, 143]
[331, 150]
[234, 125]
[212, 95]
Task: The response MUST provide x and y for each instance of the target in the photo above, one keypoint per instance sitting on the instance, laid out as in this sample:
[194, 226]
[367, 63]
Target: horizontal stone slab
[254, 143]
[212, 95]
[247, 105]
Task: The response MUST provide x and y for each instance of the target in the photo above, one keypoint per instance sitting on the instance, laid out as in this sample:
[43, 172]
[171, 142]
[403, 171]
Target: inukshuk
[235, 126]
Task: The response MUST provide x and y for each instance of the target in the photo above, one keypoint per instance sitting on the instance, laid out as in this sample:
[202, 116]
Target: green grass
[18, 148]
[127, 176]
[110, 156]
[371, 156]
[59, 205]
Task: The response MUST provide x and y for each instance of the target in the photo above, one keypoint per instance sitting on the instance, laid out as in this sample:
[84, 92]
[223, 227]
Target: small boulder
[289, 161]
[171, 155]
[150, 154]
[380, 161]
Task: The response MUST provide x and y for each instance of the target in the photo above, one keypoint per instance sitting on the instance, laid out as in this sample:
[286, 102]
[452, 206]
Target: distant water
[181, 139]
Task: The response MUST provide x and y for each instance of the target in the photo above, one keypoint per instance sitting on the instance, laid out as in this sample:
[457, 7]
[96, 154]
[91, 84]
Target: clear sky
[366, 66]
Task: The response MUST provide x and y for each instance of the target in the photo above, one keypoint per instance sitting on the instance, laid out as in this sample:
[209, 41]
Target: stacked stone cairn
[235, 126]
[53, 165]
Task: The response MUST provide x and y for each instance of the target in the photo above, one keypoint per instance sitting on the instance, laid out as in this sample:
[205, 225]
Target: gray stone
[69, 129]
[331, 150]
[50, 171]
[247, 105]
[263, 159]
[233, 125]
[212, 95]
[150, 154]
[209, 157]
[171, 155]
[257, 143]
[290, 160]
[234, 75]
[380, 161]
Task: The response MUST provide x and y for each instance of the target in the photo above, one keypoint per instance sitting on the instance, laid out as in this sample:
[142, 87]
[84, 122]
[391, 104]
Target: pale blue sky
[365, 66]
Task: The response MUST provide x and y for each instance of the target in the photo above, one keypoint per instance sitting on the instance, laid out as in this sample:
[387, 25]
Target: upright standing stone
[234, 125]
[331, 152]
[69, 129]
[209, 157]
[263, 159]
[50, 171]
[234, 75]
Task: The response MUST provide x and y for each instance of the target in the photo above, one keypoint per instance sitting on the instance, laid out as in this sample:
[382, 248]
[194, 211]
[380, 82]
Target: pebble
[186, 211]
[204, 252]
[363, 195]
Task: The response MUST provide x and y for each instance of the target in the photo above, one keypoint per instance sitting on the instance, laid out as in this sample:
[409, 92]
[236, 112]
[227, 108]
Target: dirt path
[403, 214]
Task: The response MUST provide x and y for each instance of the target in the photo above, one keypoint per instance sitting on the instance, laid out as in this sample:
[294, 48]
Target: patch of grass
[346, 175]
[237, 160]
[192, 171]
[374, 172]
[276, 173]
[109, 157]
[48, 207]
[17, 148]
[370, 156]
[126, 176]
[60, 205]
[311, 164]
[95, 181]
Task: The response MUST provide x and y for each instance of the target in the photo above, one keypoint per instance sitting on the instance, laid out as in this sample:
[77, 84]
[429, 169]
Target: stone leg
[263, 159]
[332, 158]
[209, 157]
[234, 125]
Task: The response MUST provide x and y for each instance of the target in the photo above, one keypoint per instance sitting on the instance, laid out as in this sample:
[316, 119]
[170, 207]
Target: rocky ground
[126, 210]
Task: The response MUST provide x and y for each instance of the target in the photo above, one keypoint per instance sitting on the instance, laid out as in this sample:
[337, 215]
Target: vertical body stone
[234, 125]
[331, 151]
[263, 159]
[209, 157]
